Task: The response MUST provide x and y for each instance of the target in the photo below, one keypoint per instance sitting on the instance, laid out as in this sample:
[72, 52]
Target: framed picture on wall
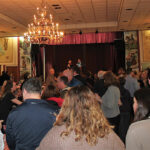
[131, 50]
[25, 58]
[9, 51]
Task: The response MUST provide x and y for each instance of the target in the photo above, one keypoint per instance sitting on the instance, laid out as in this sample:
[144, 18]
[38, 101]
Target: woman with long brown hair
[81, 125]
[138, 134]
[8, 99]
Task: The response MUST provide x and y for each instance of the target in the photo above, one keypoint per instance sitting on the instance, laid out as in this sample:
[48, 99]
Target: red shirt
[58, 100]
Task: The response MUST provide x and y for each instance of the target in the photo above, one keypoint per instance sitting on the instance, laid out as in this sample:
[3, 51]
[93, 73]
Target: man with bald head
[72, 81]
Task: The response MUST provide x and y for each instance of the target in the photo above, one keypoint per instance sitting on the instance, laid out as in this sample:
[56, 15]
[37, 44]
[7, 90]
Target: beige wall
[9, 56]
[144, 45]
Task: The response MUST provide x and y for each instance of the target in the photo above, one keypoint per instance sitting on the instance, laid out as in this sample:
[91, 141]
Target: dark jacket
[74, 82]
[28, 124]
[100, 88]
[126, 100]
[6, 106]
[80, 78]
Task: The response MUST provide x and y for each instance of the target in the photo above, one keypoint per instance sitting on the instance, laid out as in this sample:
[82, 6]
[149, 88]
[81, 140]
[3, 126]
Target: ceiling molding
[89, 25]
[76, 15]
[11, 21]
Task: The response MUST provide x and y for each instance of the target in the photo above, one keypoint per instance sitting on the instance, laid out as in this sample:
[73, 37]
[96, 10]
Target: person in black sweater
[7, 100]
[99, 86]
[125, 109]
[76, 74]
[4, 77]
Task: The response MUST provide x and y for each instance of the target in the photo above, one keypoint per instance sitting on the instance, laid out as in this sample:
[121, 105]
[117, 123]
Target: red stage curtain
[87, 38]
[96, 50]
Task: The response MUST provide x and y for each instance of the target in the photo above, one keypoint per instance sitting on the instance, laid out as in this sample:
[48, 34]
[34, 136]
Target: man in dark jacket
[72, 82]
[99, 86]
[76, 74]
[28, 123]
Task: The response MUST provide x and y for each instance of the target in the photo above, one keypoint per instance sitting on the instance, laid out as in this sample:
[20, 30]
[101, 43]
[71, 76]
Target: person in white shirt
[131, 83]
[1, 137]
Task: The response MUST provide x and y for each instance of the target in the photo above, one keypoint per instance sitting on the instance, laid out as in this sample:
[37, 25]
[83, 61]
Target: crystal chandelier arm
[43, 29]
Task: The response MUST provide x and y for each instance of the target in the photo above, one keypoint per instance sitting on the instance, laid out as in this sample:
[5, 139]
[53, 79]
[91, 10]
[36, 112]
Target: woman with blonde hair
[81, 125]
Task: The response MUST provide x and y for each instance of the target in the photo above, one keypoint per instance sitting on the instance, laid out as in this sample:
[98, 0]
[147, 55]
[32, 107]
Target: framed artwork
[131, 50]
[9, 51]
[146, 45]
[25, 58]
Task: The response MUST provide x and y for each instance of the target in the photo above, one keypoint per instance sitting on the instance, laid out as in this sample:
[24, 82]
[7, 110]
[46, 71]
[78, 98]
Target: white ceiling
[77, 15]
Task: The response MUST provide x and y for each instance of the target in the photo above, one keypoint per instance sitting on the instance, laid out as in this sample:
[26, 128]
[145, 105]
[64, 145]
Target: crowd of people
[76, 110]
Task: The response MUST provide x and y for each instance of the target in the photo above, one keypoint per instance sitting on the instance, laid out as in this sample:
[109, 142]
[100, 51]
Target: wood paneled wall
[14, 70]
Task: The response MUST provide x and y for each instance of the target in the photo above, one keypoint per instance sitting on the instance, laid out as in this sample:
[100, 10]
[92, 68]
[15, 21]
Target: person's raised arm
[16, 101]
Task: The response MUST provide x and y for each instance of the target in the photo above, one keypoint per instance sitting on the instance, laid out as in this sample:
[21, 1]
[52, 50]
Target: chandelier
[43, 30]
